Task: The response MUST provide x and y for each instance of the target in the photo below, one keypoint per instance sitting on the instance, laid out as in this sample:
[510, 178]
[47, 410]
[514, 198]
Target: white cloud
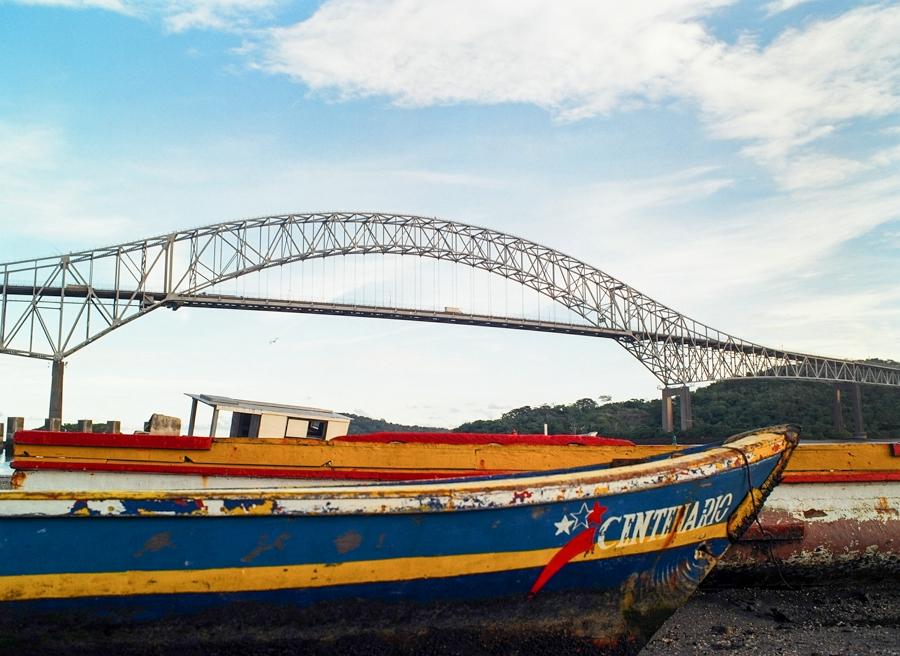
[619, 200]
[584, 59]
[110, 5]
[689, 257]
[574, 58]
[861, 324]
[803, 87]
[820, 170]
[779, 6]
[886, 157]
[181, 15]
[817, 170]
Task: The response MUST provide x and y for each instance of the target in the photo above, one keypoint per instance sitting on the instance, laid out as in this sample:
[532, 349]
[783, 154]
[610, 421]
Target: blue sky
[739, 161]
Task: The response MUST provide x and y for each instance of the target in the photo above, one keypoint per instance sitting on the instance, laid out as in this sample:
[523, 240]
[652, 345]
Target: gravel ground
[839, 620]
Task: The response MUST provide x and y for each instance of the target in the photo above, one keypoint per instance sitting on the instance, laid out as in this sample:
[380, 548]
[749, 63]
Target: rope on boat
[773, 560]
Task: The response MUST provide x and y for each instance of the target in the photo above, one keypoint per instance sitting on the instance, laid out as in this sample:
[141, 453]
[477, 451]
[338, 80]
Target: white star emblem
[564, 525]
[581, 517]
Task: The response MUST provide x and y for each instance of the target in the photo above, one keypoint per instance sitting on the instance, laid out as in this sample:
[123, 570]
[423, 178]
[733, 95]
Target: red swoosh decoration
[581, 543]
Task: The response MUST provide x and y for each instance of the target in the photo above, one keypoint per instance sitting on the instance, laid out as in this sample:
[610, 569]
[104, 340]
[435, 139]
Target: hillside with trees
[720, 410]
[362, 424]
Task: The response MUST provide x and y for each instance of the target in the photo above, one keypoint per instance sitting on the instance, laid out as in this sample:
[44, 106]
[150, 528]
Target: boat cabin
[259, 419]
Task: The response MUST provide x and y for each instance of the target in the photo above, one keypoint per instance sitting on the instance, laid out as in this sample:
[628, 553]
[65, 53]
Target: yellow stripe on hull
[245, 579]
[303, 454]
[240, 452]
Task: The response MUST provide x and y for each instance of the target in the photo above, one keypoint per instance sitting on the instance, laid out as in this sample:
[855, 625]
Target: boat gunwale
[466, 494]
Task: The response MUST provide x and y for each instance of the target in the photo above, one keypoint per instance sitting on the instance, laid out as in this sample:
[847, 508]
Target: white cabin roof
[229, 404]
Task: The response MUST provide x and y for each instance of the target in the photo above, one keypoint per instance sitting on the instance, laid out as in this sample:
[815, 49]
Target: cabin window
[240, 424]
[295, 427]
[316, 429]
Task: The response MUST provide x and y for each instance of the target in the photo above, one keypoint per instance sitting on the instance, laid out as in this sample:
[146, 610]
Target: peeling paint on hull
[825, 517]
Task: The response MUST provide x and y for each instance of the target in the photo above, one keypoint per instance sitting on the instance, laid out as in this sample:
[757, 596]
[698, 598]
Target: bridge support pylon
[56, 390]
[854, 392]
[668, 422]
[684, 408]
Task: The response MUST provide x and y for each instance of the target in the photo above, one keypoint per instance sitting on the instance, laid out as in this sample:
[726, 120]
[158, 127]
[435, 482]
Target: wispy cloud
[120, 6]
[40, 196]
[667, 245]
[630, 199]
[801, 88]
[779, 6]
[181, 15]
[26, 148]
[862, 323]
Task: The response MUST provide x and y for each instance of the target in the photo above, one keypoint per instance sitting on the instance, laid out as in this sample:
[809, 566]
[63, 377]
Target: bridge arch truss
[54, 306]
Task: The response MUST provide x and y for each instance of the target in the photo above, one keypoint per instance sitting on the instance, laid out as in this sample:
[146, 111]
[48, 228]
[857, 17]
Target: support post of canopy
[215, 420]
[193, 420]
[56, 390]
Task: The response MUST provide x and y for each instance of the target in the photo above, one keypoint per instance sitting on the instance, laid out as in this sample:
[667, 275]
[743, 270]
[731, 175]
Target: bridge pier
[687, 415]
[56, 390]
[668, 422]
[684, 408]
[854, 391]
[837, 414]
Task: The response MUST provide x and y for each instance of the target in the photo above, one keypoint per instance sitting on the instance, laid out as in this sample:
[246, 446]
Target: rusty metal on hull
[810, 531]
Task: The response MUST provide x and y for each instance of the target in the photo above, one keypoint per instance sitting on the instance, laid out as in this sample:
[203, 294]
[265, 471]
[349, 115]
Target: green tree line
[719, 410]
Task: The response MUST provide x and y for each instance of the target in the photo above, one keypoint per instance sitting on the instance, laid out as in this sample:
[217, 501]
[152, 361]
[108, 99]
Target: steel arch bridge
[54, 306]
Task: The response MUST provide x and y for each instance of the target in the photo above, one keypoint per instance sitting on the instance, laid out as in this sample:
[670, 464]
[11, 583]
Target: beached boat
[46, 460]
[838, 510]
[277, 445]
[835, 514]
[590, 560]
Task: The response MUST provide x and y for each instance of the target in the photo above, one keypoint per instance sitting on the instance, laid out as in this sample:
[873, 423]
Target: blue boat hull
[591, 573]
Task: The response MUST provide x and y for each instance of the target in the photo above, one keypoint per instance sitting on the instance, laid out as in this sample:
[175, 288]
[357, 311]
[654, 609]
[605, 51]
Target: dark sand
[843, 619]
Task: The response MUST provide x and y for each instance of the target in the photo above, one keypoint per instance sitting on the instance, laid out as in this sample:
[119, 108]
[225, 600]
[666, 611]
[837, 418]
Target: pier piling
[13, 425]
[854, 392]
[668, 421]
[686, 418]
[56, 389]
